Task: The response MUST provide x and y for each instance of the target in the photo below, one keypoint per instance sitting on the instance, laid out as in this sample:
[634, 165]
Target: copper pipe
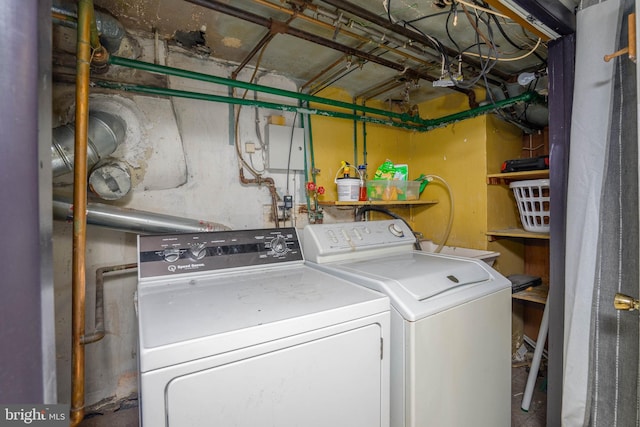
[78, 294]
[272, 190]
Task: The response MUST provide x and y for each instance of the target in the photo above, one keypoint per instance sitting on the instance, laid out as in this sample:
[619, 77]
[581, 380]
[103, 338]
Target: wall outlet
[249, 147]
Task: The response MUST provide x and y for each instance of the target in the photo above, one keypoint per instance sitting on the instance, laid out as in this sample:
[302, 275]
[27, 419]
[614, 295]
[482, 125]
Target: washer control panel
[172, 254]
[332, 240]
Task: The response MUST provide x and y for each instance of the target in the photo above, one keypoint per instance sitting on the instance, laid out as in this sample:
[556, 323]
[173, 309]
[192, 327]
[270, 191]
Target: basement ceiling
[405, 51]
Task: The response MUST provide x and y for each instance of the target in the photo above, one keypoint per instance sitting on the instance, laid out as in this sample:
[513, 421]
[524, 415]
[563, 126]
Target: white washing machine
[235, 330]
[450, 322]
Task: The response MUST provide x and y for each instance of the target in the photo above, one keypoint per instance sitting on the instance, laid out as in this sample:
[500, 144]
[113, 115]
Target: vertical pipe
[78, 296]
[364, 139]
[355, 138]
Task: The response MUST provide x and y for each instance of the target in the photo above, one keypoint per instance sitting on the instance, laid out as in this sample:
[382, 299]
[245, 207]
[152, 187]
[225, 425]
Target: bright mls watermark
[34, 415]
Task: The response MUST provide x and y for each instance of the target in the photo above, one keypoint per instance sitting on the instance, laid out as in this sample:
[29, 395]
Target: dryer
[450, 322]
[235, 330]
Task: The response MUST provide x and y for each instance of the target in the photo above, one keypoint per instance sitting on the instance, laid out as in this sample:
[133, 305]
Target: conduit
[78, 294]
[131, 220]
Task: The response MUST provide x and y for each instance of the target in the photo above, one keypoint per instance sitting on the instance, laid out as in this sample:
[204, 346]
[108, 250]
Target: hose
[451, 211]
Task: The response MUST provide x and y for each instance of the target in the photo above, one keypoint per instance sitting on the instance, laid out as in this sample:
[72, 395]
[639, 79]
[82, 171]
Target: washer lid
[424, 276]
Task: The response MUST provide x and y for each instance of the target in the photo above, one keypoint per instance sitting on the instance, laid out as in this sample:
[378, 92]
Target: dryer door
[333, 381]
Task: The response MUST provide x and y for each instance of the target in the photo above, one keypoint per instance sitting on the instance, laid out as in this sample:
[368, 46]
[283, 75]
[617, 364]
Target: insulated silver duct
[133, 221]
[110, 29]
[105, 133]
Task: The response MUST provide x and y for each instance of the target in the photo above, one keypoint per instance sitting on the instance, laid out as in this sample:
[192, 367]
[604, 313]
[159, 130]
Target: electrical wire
[493, 58]
[511, 42]
[483, 9]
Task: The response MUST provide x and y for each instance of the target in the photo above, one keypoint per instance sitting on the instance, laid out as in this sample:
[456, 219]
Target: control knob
[395, 230]
[197, 251]
[171, 254]
[279, 245]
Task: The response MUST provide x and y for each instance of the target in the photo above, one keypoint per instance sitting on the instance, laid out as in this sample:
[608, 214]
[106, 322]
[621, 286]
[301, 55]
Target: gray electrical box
[280, 143]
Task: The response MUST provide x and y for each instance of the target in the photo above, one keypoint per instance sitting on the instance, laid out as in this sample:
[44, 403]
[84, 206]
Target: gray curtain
[613, 359]
[602, 345]
[613, 348]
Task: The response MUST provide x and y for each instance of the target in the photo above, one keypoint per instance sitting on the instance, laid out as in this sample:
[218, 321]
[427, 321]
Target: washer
[235, 330]
[450, 322]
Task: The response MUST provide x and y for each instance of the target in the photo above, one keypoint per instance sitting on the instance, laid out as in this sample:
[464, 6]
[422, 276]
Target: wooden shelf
[533, 293]
[516, 232]
[379, 203]
[506, 178]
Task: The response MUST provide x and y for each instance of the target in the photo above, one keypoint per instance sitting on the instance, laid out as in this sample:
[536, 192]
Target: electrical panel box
[286, 147]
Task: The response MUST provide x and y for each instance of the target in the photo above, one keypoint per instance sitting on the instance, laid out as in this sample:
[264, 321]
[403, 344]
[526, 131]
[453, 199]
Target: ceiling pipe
[282, 27]
[342, 22]
[105, 133]
[325, 70]
[421, 125]
[162, 69]
[379, 89]
[131, 220]
[261, 44]
[383, 22]
[268, 105]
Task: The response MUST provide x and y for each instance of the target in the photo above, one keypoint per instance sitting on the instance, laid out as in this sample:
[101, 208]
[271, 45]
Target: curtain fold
[601, 345]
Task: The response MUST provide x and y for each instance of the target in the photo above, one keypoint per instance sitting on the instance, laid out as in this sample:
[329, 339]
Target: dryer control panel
[172, 254]
[334, 242]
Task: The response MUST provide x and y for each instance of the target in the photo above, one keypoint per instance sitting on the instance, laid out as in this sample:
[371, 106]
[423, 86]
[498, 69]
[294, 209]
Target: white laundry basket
[532, 198]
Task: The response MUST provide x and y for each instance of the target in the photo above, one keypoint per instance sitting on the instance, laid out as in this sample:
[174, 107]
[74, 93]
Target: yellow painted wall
[333, 141]
[462, 154]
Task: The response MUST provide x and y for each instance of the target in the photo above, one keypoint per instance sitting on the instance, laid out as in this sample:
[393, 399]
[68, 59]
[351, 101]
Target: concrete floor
[127, 414]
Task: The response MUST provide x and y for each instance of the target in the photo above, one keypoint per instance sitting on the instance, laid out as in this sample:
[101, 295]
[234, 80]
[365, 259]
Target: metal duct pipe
[133, 221]
[105, 132]
[111, 30]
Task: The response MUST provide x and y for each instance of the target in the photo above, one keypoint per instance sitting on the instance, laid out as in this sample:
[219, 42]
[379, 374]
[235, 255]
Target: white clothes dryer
[235, 330]
[450, 322]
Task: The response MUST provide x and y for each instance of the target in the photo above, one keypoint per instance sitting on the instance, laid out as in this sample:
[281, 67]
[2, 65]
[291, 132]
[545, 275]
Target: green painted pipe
[420, 124]
[161, 69]
[250, 102]
[478, 111]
